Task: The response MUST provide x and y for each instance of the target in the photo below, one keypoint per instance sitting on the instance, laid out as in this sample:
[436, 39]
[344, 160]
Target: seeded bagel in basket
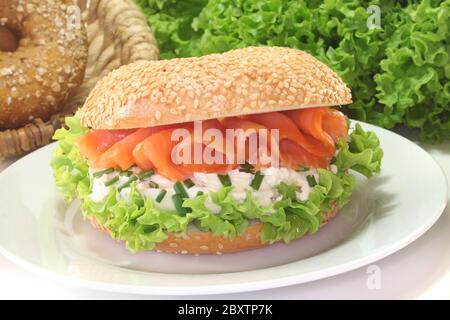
[38, 76]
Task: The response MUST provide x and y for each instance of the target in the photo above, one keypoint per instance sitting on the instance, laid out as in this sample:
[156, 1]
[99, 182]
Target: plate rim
[192, 290]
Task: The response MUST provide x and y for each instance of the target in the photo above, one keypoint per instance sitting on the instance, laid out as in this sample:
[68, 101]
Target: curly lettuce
[140, 224]
[413, 85]
[399, 73]
[362, 153]
[70, 170]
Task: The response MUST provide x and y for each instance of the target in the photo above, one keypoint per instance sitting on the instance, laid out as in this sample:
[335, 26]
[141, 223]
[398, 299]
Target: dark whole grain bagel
[37, 78]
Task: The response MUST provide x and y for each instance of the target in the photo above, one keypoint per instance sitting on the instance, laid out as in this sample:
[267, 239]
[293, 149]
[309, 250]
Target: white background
[419, 271]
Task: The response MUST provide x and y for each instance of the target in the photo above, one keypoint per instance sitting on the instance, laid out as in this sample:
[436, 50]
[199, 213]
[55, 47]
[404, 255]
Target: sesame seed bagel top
[238, 82]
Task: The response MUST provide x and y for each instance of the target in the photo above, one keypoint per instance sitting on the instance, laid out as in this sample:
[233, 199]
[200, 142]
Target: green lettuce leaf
[70, 170]
[362, 153]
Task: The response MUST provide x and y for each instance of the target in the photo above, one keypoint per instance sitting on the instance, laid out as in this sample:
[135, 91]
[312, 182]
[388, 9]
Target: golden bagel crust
[198, 242]
[38, 77]
[241, 81]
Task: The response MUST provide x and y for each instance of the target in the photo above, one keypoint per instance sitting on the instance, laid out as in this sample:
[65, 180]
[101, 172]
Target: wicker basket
[118, 34]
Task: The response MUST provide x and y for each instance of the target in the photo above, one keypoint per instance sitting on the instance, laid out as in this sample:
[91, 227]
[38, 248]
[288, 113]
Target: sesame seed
[14, 92]
[196, 103]
[51, 99]
[40, 71]
[56, 87]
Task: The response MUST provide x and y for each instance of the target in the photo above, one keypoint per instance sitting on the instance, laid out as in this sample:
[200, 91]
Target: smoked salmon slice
[123, 154]
[120, 155]
[95, 142]
[251, 130]
[294, 156]
[335, 124]
[288, 130]
[209, 152]
[159, 148]
[141, 159]
[306, 139]
[323, 124]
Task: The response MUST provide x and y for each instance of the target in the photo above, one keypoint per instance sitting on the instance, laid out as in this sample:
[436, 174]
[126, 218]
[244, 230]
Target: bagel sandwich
[214, 154]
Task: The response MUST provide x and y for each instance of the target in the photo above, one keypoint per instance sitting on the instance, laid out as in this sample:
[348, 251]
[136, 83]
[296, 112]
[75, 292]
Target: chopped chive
[179, 189]
[101, 173]
[146, 174]
[127, 173]
[311, 181]
[150, 229]
[225, 180]
[303, 169]
[189, 183]
[112, 181]
[178, 203]
[153, 185]
[161, 196]
[200, 193]
[257, 180]
[127, 184]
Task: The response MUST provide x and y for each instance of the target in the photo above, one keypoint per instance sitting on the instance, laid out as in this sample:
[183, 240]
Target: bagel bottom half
[200, 242]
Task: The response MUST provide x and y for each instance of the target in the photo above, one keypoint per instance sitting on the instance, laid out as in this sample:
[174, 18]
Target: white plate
[39, 232]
